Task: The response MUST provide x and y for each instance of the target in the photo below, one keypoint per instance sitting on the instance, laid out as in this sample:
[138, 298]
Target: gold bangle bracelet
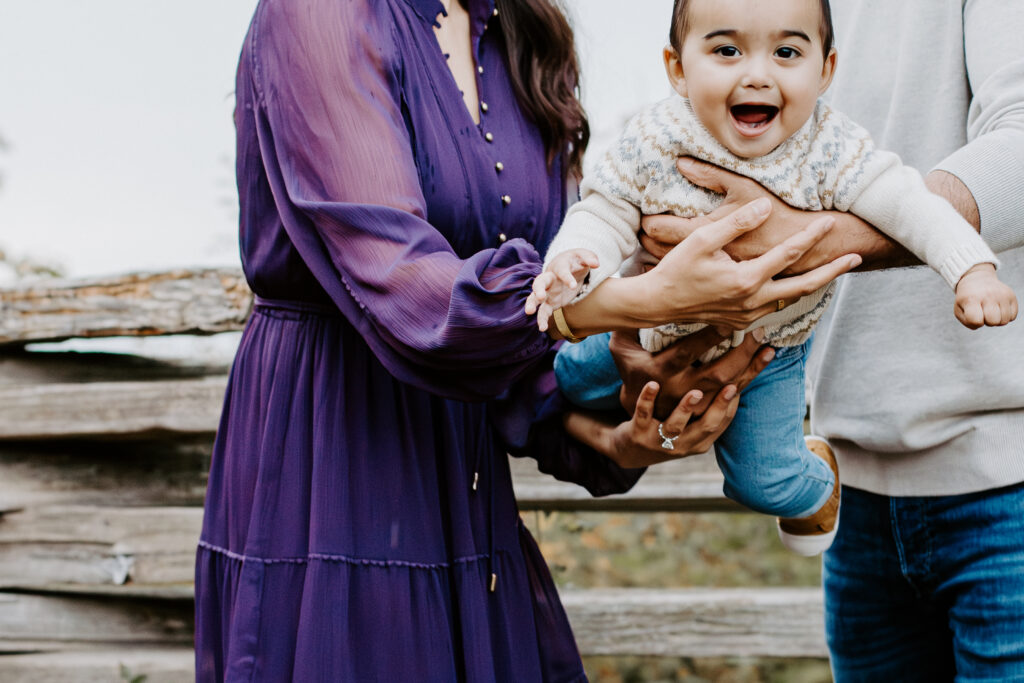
[563, 327]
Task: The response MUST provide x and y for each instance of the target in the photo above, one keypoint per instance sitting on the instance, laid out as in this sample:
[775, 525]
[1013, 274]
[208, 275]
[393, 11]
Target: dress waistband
[296, 306]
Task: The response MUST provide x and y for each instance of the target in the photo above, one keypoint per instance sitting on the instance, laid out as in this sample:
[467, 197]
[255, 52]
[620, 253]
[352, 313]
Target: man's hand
[662, 232]
[676, 371]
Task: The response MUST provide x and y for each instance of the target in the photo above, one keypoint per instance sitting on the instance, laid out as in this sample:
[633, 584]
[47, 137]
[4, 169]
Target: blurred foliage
[20, 268]
[663, 550]
[710, 670]
[599, 549]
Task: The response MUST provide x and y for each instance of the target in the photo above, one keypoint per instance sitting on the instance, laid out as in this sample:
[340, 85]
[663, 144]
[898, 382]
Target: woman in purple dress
[397, 179]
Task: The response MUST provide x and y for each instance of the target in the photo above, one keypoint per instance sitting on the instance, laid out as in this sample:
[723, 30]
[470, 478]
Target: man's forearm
[953, 190]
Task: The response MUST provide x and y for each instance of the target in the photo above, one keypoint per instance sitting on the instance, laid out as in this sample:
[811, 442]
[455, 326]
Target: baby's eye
[726, 51]
[787, 53]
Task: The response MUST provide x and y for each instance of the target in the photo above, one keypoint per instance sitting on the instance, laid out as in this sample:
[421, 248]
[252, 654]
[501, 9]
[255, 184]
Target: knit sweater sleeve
[899, 204]
[876, 186]
[991, 164]
[607, 217]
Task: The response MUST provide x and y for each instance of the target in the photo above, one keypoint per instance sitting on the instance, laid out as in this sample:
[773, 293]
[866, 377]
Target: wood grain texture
[691, 484]
[44, 622]
[764, 622]
[185, 301]
[104, 665]
[111, 409]
[120, 473]
[173, 472]
[768, 622]
[96, 545]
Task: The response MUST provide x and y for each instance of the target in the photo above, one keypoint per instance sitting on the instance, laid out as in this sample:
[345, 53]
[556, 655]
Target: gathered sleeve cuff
[346, 186]
[528, 419]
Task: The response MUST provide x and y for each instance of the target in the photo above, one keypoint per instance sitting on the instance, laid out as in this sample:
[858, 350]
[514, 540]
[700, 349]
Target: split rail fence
[103, 461]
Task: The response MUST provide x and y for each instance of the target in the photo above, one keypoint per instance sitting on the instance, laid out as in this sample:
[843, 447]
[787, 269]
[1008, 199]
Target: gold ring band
[780, 305]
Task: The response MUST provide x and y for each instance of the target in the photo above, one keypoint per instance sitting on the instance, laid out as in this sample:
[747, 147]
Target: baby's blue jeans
[761, 454]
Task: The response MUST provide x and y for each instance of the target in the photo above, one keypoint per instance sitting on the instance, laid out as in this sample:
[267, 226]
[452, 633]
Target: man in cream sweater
[926, 578]
[925, 581]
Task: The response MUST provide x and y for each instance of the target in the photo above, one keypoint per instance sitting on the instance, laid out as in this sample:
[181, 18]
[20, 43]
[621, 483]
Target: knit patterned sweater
[830, 163]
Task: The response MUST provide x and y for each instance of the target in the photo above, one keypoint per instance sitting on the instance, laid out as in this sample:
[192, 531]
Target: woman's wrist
[615, 304]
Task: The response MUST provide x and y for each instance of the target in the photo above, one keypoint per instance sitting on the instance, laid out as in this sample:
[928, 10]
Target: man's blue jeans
[927, 589]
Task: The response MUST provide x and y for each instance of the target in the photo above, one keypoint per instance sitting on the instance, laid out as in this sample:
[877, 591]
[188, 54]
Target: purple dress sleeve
[344, 179]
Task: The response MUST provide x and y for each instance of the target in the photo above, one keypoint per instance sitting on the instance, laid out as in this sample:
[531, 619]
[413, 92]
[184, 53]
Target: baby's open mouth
[753, 117]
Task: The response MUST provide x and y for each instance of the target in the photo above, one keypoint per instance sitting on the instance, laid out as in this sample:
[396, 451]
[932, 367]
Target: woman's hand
[641, 440]
[637, 443]
[698, 282]
[677, 371]
[701, 283]
[662, 232]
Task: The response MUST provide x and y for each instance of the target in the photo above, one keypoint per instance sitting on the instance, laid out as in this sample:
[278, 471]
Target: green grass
[662, 550]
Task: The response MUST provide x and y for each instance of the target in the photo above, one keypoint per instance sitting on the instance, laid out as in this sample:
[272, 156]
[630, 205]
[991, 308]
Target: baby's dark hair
[680, 24]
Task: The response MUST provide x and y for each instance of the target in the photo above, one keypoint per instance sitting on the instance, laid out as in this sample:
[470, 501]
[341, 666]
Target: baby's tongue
[752, 114]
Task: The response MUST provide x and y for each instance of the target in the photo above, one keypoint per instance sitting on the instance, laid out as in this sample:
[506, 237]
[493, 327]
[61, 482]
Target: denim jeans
[761, 454]
[587, 374]
[927, 589]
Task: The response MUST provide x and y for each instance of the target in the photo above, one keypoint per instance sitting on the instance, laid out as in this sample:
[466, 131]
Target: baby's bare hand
[982, 299]
[558, 285]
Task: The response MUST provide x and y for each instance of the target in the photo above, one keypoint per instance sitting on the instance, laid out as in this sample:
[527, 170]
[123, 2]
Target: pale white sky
[117, 116]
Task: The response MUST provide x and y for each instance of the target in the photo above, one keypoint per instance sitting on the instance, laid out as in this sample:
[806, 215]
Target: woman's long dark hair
[545, 74]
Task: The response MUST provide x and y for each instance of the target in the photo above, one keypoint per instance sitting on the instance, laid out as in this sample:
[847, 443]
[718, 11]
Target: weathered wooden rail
[103, 462]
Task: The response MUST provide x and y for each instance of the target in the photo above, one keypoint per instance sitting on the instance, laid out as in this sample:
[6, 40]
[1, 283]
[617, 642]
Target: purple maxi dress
[359, 503]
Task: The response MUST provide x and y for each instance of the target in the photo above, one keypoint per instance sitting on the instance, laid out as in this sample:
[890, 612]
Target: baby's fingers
[970, 313]
[543, 317]
[531, 304]
[996, 314]
[541, 284]
[563, 271]
[587, 260]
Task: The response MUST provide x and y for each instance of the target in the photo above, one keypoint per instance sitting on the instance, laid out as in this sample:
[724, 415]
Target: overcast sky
[117, 119]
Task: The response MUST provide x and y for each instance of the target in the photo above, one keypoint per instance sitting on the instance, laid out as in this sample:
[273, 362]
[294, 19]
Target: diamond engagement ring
[667, 442]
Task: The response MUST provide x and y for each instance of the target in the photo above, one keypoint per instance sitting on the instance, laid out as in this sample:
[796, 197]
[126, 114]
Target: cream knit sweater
[914, 403]
[830, 163]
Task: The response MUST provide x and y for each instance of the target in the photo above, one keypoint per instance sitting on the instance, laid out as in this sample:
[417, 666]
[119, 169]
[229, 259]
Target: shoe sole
[809, 546]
